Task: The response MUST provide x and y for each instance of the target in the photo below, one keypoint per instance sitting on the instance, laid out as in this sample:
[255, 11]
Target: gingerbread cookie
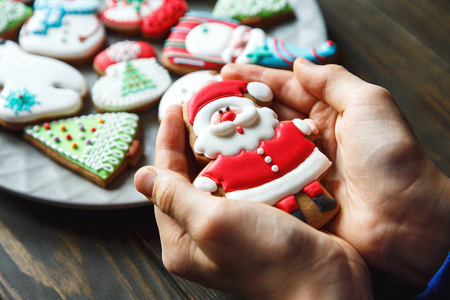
[121, 51]
[184, 88]
[12, 16]
[253, 156]
[132, 85]
[153, 18]
[97, 146]
[256, 13]
[202, 41]
[36, 88]
[67, 30]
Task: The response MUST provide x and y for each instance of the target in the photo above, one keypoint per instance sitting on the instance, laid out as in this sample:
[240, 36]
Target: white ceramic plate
[27, 172]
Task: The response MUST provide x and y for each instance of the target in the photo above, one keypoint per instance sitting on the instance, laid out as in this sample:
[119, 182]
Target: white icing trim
[290, 184]
[302, 126]
[260, 91]
[257, 39]
[205, 184]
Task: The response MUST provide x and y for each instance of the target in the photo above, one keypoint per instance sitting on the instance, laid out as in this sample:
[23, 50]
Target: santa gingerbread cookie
[122, 51]
[202, 41]
[98, 146]
[253, 156]
[36, 88]
[12, 16]
[68, 30]
[256, 13]
[184, 88]
[153, 18]
[132, 85]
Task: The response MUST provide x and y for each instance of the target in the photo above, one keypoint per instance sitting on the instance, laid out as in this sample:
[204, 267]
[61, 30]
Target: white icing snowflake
[122, 51]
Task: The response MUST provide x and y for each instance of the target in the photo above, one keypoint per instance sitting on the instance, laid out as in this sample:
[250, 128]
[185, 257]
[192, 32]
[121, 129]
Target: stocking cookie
[67, 30]
[153, 18]
[12, 16]
[201, 41]
[184, 88]
[132, 85]
[121, 51]
[254, 12]
[98, 146]
[253, 156]
[36, 88]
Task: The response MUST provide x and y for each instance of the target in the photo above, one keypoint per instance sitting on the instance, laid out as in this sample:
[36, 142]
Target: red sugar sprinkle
[68, 136]
[93, 129]
[47, 126]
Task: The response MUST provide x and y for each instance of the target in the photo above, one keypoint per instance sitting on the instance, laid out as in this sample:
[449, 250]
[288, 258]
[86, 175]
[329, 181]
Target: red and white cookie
[121, 51]
[132, 85]
[153, 18]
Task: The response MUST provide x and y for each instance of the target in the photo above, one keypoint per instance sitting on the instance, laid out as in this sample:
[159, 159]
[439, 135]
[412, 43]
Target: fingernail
[304, 61]
[144, 180]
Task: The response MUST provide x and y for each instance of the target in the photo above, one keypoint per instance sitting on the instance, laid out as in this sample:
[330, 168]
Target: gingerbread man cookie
[98, 146]
[253, 156]
[36, 88]
[153, 18]
[67, 30]
[202, 41]
[132, 85]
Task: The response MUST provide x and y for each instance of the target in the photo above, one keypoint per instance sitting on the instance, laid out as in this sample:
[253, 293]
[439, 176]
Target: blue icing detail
[20, 100]
[70, 7]
[44, 19]
[289, 52]
[205, 14]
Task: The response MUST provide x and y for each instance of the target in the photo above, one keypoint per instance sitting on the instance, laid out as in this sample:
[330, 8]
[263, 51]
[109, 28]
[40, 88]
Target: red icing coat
[288, 149]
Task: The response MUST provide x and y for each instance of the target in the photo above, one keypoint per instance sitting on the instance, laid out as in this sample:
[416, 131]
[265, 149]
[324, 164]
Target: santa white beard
[262, 129]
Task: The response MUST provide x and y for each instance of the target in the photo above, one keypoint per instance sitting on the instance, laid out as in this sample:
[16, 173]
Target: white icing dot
[260, 151]
[275, 168]
[81, 135]
[35, 127]
[49, 132]
[268, 159]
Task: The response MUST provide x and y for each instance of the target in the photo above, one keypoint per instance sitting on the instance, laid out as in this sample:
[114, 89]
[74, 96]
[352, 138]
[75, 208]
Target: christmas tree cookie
[132, 85]
[12, 16]
[254, 12]
[98, 146]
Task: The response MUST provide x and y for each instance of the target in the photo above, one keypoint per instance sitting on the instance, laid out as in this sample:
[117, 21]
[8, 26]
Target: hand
[395, 202]
[245, 248]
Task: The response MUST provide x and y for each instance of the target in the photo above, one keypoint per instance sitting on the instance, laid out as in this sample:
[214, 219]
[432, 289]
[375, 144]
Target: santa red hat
[226, 88]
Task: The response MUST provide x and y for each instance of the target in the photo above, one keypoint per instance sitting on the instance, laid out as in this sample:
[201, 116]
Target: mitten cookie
[67, 30]
[36, 88]
[202, 41]
[258, 13]
[98, 146]
[184, 88]
[12, 16]
[121, 51]
[152, 18]
[132, 85]
[253, 156]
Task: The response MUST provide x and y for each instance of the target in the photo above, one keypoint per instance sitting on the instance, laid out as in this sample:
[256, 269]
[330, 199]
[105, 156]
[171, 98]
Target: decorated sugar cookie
[254, 12]
[98, 146]
[36, 88]
[121, 51]
[202, 41]
[12, 16]
[184, 88]
[253, 156]
[132, 85]
[67, 30]
[153, 18]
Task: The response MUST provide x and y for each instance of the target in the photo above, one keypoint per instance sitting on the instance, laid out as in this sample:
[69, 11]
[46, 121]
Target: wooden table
[53, 253]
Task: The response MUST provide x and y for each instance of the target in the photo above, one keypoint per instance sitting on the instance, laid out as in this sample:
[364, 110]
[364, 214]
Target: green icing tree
[134, 81]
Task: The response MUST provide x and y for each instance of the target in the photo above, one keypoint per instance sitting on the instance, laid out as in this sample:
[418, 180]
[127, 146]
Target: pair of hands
[395, 207]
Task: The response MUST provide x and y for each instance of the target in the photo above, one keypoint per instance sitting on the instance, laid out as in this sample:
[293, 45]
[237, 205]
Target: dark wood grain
[55, 253]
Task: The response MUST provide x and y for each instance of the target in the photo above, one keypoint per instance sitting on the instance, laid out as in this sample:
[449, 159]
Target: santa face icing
[130, 85]
[255, 157]
[184, 88]
[67, 30]
[36, 87]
